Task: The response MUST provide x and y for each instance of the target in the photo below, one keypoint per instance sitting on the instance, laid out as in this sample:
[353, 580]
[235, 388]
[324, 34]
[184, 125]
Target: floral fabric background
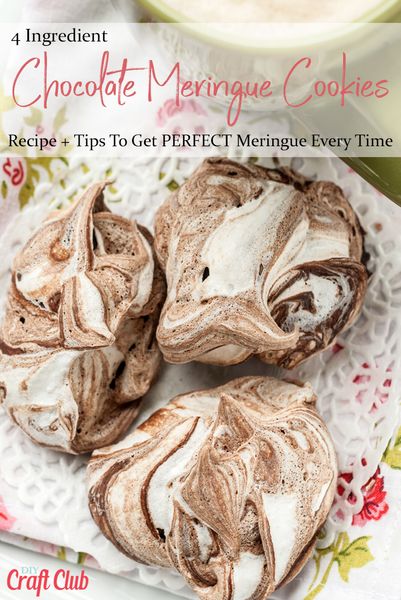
[362, 561]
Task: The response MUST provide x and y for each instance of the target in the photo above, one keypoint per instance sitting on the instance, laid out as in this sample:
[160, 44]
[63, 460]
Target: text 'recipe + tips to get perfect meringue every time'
[229, 486]
[77, 341]
[258, 262]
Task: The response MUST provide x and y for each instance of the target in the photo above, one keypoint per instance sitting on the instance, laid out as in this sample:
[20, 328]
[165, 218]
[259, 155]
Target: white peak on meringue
[245, 239]
[93, 309]
[282, 511]
[247, 573]
[31, 280]
[318, 499]
[164, 482]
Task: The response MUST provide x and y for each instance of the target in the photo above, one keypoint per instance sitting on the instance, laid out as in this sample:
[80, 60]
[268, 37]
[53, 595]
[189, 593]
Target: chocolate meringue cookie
[258, 261]
[229, 486]
[77, 343]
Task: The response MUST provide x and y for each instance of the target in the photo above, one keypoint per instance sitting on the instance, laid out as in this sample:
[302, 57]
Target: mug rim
[163, 13]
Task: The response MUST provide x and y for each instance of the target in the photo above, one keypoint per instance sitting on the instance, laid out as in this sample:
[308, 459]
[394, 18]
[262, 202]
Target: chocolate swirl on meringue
[77, 344]
[228, 485]
[258, 261]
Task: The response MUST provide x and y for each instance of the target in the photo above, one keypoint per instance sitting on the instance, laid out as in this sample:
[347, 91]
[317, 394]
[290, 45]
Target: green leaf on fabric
[346, 554]
[392, 454]
[35, 118]
[4, 189]
[60, 119]
[61, 553]
[34, 167]
[173, 185]
[393, 458]
[354, 556]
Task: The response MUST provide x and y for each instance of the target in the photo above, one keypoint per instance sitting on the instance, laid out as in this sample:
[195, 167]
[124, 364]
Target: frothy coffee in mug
[257, 11]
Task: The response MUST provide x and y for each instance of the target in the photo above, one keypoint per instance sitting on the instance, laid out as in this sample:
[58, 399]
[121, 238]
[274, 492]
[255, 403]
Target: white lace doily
[356, 381]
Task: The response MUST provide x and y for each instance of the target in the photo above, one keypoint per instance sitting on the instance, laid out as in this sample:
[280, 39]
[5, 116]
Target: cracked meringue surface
[258, 262]
[77, 343]
[229, 486]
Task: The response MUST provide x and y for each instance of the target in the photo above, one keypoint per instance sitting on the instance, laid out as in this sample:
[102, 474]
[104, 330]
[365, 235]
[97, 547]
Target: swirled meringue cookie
[258, 261]
[77, 343]
[228, 485]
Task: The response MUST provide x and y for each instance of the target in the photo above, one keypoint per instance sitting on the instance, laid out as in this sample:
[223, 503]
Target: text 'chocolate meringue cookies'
[257, 261]
[77, 344]
[228, 485]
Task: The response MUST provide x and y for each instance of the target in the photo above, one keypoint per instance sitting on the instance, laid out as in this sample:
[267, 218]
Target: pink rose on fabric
[12, 179]
[374, 498]
[14, 170]
[374, 505]
[170, 110]
[6, 520]
[40, 130]
[190, 117]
